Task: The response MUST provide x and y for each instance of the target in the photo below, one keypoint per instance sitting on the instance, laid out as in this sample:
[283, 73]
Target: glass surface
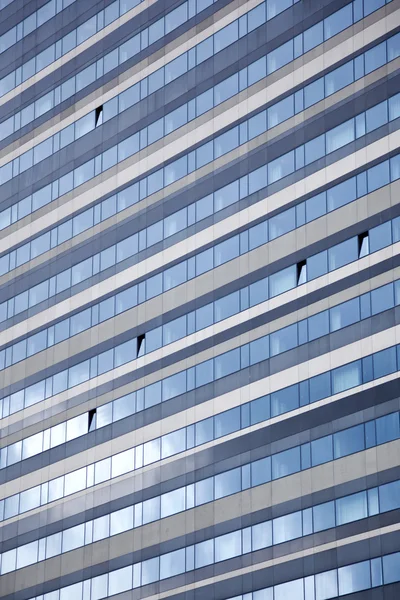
[354, 578]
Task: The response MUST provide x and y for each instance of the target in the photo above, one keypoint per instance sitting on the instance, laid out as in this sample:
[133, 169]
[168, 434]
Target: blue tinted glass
[282, 281]
[354, 578]
[315, 207]
[287, 527]
[391, 568]
[283, 340]
[321, 450]
[376, 116]
[286, 463]
[317, 265]
[320, 387]
[344, 314]
[348, 441]
[204, 431]
[382, 298]
[378, 176]
[387, 428]
[280, 111]
[173, 386]
[257, 125]
[342, 194]
[326, 585]
[314, 92]
[260, 410]
[284, 400]
[227, 422]
[340, 136]
[380, 237]
[226, 36]
[226, 251]
[204, 491]
[313, 36]
[280, 167]
[324, 516]
[372, 5]
[314, 149]
[227, 363]
[257, 179]
[226, 306]
[375, 58]
[318, 325]
[351, 508]
[343, 253]
[261, 537]
[340, 77]
[384, 362]
[227, 483]
[204, 553]
[258, 235]
[259, 350]
[279, 57]
[338, 21]
[261, 471]
[282, 223]
[389, 496]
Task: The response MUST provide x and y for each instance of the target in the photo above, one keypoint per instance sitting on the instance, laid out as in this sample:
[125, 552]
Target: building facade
[199, 299]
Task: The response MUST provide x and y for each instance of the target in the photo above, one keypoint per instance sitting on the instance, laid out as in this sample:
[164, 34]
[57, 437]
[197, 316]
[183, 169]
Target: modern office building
[199, 299]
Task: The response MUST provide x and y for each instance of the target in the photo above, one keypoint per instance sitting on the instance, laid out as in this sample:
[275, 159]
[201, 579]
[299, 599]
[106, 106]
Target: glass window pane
[289, 590]
[326, 585]
[172, 502]
[391, 568]
[120, 580]
[173, 443]
[351, 508]
[204, 553]
[389, 496]
[344, 378]
[284, 400]
[227, 546]
[121, 520]
[321, 450]
[343, 253]
[387, 428]
[227, 422]
[261, 471]
[227, 483]
[348, 441]
[324, 516]
[172, 563]
[287, 527]
[150, 570]
[344, 314]
[286, 463]
[354, 578]
[73, 538]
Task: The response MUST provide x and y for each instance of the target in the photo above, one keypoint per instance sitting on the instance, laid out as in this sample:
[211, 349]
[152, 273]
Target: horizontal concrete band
[38, 413]
[324, 227]
[135, 487]
[22, 426]
[184, 133]
[176, 45]
[333, 359]
[134, 167]
[330, 173]
[142, 69]
[308, 482]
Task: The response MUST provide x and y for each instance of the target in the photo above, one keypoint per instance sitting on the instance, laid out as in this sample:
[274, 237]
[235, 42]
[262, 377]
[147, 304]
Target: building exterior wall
[199, 299]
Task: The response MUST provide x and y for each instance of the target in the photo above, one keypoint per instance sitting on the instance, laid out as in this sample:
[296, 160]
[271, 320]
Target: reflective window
[351, 508]
[354, 578]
